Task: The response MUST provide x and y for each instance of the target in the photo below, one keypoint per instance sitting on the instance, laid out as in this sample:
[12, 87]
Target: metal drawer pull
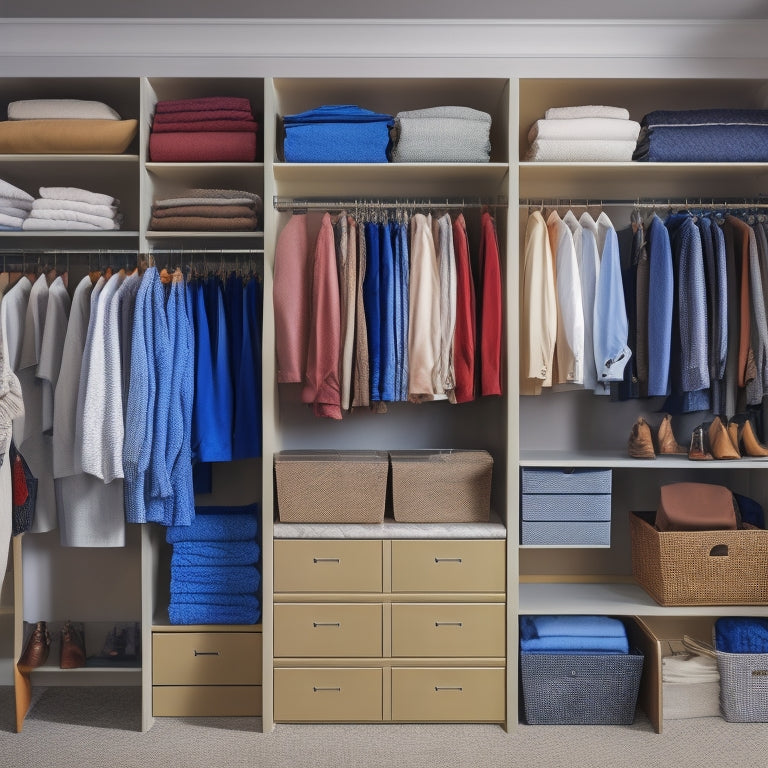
[326, 560]
[319, 690]
[326, 623]
[449, 688]
[447, 559]
[449, 623]
[207, 653]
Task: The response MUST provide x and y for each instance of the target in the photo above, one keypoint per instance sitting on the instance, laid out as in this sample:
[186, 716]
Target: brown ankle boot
[666, 439]
[746, 438]
[641, 441]
[720, 443]
[698, 450]
[72, 647]
[36, 651]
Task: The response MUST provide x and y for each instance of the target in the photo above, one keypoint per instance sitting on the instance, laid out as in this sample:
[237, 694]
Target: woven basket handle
[697, 646]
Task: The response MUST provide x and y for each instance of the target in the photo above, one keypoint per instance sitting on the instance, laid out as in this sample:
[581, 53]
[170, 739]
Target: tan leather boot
[666, 439]
[641, 440]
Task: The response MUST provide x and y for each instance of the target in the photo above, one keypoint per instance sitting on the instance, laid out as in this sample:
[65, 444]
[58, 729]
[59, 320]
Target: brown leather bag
[697, 507]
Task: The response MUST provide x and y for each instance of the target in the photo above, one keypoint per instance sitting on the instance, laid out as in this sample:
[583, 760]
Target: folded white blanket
[60, 109]
[172, 202]
[52, 214]
[689, 668]
[11, 210]
[11, 221]
[585, 128]
[22, 205]
[13, 193]
[587, 110]
[580, 150]
[48, 224]
[74, 205]
[81, 195]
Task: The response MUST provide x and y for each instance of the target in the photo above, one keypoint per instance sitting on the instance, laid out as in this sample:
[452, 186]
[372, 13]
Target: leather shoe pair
[643, 444]
[72, 647]
[37, 648]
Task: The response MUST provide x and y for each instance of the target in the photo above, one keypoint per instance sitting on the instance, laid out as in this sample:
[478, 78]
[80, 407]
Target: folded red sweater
[204, 103]
[196, 115]
[206, 125]
[203, 147]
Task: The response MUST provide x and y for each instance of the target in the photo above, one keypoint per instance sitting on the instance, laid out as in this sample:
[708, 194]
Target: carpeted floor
[99, 727]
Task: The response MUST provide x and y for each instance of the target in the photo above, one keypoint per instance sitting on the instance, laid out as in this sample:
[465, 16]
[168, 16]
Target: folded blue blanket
[215, 527]
[719, 116]
[342, 133]
[215, 553]
[571, 626]
[735, 634]
[580, 644]
[703, 144]
[214, 579]
[213, 598]
[210, 613]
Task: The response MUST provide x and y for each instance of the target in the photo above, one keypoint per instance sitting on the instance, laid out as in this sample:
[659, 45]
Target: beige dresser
[391, 629]
[210, 671]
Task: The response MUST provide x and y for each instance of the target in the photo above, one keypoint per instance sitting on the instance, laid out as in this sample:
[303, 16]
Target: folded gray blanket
[9, 192]
[442, 135]
[60, 109]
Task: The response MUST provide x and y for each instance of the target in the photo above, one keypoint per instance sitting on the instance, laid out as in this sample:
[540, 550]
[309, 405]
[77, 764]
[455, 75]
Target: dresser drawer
[448, 694]
[206, 658]
[328, 695]
[448, 566]
[206, 700]
[448, 629]
[323, 629]
[327, 565]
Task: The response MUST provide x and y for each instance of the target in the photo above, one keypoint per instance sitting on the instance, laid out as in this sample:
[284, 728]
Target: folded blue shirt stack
[337, 133]
[734, 634]
[572, 635]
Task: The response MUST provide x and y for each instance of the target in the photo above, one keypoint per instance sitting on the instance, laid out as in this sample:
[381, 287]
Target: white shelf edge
[37, 158]
[564, 546]
[620, 460]
[151, 235]
[155, 166]
[70, 233]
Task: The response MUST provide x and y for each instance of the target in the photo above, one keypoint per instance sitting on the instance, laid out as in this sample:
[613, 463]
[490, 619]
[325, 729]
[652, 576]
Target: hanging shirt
[660, 303]
[52, 348]
[361, 389]
[345, 241]
[322, 388]
[491, 309]
[740, 231]
[446, 265]
[588, 258]
[371, 291]
[539, 309]
[399, 236]
[465, 331]
[386, 315]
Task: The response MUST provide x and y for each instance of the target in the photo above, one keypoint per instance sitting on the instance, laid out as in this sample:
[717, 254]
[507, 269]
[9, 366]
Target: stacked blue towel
[214, 573]
[572, 635]
[704, 136]
[338, 133]
[734, 634]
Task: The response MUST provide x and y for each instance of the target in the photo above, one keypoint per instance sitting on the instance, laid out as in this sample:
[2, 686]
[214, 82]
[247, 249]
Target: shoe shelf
[619, 459]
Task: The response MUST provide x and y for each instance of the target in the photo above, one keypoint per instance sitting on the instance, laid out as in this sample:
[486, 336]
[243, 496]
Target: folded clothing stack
[586, 635]
[214, 573]
[222, 210]
[704, 136]
[734, 634]
[442, 135]
[589, 133]
[689, 668]
[337, 133]
[73, 208]
[15, 205]
[211, 129]
[64, 126]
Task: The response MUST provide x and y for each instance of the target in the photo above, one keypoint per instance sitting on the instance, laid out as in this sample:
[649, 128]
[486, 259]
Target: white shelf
[71, 233]
[153, 235]
[618, 599]
[619, 459]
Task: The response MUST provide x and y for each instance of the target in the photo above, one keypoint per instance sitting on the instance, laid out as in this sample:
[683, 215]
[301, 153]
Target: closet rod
[292, 204]
[653, 203]
[133, 251]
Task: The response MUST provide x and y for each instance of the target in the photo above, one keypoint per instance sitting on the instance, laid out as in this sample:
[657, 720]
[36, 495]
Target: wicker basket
[700, 567]
[594, 689]
[448, 486]
[331, 486]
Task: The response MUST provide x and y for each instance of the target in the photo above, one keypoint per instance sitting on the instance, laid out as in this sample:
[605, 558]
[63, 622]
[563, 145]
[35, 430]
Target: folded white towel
[101, 222]
[587, 110]
[580, 150]
[10, 210]
[689, 668]
[172, 202]
[81, 195]
[23, 205]
[585, 128]
[48, 224]
[60, 109]
[13, 193]
[74, 205]
[11, 221]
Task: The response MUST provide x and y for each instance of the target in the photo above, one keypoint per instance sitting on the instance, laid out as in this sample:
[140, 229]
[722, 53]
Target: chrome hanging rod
[132, 251]
[701, 203]
[294, 204]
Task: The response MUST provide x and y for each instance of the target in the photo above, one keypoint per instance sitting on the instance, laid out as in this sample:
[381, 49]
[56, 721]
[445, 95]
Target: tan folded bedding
[66, 136]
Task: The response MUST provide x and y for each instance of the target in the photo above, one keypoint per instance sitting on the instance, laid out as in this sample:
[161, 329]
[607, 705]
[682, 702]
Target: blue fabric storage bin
[564, 532]
[566, 480]
[559, 506]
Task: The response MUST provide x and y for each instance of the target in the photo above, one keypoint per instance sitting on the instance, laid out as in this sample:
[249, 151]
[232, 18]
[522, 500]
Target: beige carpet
[99, 727]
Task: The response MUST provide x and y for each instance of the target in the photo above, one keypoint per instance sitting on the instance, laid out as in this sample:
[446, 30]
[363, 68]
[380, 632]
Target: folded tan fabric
[214, 211]
[66, 137]
[202, 223]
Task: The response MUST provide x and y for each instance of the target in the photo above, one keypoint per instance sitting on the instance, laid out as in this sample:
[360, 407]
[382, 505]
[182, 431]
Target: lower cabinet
[210, 673]
[423, 641]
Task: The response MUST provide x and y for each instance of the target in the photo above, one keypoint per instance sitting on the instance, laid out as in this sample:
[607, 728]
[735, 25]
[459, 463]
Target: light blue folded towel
[214, 579]
[215, 553]
[215, 527]
[587, 626]
[581, 644]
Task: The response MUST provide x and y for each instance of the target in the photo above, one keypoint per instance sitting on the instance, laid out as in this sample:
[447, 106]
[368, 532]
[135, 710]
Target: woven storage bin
[594, 689]
[743, 686]
[331, 486]
[700, 567]
[449, 486]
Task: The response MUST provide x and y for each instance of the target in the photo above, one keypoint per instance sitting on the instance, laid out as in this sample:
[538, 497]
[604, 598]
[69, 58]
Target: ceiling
[652, 10]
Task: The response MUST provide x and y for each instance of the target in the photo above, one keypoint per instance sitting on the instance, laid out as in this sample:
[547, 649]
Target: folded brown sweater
[202, 223]
[213, 211]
